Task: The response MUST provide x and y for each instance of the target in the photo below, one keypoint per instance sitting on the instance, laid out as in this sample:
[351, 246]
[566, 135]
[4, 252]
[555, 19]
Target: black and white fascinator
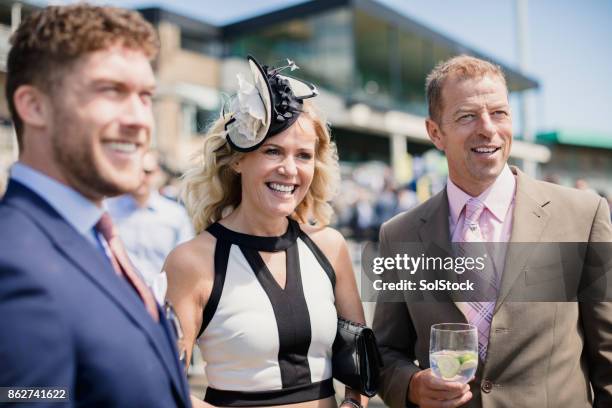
[266, 106]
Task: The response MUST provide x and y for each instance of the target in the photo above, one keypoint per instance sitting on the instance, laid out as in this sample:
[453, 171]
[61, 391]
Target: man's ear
[435, 134]
[32, 105]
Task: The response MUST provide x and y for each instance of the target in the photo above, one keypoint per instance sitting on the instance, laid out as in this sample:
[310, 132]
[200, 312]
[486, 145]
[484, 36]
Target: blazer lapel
[180, 368]
[435, 237]
[96, 268]
[434, 233]
[94, 265]
[529, 220]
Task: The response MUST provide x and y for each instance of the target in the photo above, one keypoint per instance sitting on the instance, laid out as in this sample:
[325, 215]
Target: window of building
[321, 45]
[359, 147]
[197, 43]
[373, 49]
[197, 120]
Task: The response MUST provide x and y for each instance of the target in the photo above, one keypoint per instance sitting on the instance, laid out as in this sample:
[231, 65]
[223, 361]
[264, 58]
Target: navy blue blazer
[69, 321]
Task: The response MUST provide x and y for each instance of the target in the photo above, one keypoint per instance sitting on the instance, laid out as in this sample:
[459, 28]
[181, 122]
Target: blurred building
[189, 70]
[369, 61]
[579, 155]
[10, 16]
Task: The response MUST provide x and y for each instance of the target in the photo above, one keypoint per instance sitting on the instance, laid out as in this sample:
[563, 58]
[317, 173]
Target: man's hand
[428, 391]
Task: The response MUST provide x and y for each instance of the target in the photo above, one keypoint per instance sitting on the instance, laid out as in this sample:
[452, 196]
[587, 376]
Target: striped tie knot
[106, 227]
[473, 211]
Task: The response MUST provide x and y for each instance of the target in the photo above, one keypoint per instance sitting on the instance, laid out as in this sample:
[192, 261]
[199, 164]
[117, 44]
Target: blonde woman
[260, 287]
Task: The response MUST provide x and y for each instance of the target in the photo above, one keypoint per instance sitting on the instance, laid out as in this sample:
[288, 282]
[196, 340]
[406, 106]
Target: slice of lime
[467, 357]
[448, 366]
[468, 364]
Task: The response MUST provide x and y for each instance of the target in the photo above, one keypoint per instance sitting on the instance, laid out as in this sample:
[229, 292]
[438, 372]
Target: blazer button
[486, 386]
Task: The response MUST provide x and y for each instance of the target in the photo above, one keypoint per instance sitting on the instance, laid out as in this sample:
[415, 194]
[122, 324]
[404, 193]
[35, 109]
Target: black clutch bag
[356, 360]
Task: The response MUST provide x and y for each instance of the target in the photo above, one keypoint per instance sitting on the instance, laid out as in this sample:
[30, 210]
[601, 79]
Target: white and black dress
[265, 345]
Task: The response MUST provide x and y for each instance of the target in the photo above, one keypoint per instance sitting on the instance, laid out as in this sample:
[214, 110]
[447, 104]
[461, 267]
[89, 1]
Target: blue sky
[570, 45]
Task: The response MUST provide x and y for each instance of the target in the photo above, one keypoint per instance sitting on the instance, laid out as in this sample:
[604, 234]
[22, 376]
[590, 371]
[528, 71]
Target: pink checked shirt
[496, 219]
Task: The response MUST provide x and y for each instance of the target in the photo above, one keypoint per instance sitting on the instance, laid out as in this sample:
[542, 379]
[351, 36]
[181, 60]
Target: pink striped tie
[480, 314]
[122, 265]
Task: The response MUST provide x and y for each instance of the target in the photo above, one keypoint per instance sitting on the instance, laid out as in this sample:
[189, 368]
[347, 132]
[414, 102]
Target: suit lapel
[529, 220]
[435, 237]
[98, 269]
[434, 233]
[180, 368]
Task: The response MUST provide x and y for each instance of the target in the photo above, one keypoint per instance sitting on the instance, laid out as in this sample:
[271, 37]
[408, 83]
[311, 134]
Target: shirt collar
[156, 201]
[128, 203]
[77, 210]
[497, 198]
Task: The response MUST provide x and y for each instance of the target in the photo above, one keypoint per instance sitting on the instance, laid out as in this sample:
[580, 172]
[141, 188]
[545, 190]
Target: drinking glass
[453, 351]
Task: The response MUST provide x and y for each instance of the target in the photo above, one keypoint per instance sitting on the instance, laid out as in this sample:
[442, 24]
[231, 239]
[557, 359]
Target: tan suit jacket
[540, 354]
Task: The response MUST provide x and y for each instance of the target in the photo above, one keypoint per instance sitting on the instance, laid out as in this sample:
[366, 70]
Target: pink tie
[471, 225]
[123, 266]
[480, 314]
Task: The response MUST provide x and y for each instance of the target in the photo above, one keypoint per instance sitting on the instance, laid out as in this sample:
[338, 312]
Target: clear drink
[453, 365]
[453, 351]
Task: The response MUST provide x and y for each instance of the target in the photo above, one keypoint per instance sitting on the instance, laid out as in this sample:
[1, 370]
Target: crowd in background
[370, 193]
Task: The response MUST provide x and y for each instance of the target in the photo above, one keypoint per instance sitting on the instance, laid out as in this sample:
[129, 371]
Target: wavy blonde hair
[212, 189]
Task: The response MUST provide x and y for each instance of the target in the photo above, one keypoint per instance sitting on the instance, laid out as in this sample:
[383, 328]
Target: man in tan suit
[537, 354]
